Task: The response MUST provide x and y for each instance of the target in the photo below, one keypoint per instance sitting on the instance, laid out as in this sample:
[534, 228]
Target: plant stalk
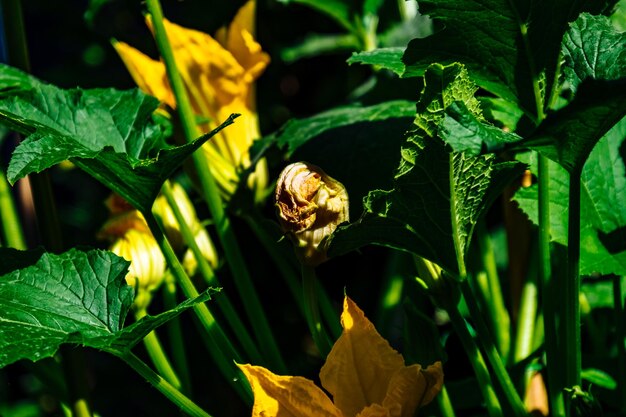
[318, 332]
[185, 404]
[158, 356]
[212, 197]
[478, 363]
[620, 330]
[222, 300]
[175, 334]
[12, 234]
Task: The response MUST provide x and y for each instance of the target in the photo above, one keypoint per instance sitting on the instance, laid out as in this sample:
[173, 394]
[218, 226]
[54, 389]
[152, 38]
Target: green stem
[527, 314]
[620, 330]
[502, 376]
[158, 356]
[222, 300]
[445, 405]
[212, 197]
[478, 363]
[549, 295]
[185, 404]
[500, 321]
[222, 351]
[570, 287]
[290, 275]
[175, 334]
[311, 307]
[12, 234]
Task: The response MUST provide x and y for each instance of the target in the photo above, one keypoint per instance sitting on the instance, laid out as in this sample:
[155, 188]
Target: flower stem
[620, 330]
[222, 300]
[445, 405]
[502, 376]
[311, 306]
[549, 298]
[289, 273]
[158, 356]
[500, 321]
[570, 287]
[175, 334]
[12, 234]
[222, 351]
[186, 405]
[478, 363]
[212, 197]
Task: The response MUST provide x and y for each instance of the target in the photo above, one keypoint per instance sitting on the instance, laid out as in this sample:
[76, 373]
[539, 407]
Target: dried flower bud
[310, 205]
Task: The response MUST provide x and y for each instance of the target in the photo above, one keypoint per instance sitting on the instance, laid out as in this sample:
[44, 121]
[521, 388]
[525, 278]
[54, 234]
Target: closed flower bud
[206, 248]
[165, 213]
[310, 206]
[147, 264]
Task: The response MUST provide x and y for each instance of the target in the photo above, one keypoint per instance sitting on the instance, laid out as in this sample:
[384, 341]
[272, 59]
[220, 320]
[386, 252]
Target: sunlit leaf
[437, 195]
[110, 134]
[387, 58]
[77, 297]
[603, 204]
[509, 48]
[317, 44]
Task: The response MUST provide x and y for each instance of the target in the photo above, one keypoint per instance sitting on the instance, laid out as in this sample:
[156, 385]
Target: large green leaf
[108, 133]
[510, 48]
[78, 297]
[437, 195]
[603, 204]
[594, 49]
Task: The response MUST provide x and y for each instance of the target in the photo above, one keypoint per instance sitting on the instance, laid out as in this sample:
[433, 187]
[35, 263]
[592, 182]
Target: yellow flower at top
[364, 375]
[219, 75]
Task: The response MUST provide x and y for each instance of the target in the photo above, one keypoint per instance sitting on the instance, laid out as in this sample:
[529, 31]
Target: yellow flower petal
[374, 410]
[286, 396]
[148, 74]
[412, 387]
[360, 366]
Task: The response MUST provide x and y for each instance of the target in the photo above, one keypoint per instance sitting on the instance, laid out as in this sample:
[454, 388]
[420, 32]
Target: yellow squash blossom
[364, 375]
[219, 75]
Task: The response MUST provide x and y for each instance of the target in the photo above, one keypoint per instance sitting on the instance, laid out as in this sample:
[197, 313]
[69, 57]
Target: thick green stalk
[570, 287]
[12, 234]
[501, 374]
[175, 333]
[222, 300]
[445, 405]
[185, 404]
[290, 276]
[478, 363]
[318, 332]
[212, 197]
[500, 321]
[620, 330]
[526, 321]
[158, 356]
[549, 295]
[219, 346]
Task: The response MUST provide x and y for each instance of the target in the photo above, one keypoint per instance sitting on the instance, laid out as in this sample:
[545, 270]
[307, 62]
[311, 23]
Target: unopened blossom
[219, 74]
[310, 205]
[363, 374]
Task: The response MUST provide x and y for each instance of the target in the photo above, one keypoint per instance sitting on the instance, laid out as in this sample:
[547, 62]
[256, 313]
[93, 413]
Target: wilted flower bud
[310, 205]
[147, 267]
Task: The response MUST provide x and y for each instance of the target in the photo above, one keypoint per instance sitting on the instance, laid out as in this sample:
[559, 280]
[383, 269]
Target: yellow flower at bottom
[364, 375]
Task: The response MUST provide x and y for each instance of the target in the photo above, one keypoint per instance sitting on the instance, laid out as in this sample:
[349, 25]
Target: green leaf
[110, 134]
[437, 195]
[297, 132]
[387, 58]
[568, 135]
[501, 112]
[594, 49]
[317, 44]
[509, 48]
[342, 11]
[77, 297]
[462, 130]
[603, 204]
[599, 378]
